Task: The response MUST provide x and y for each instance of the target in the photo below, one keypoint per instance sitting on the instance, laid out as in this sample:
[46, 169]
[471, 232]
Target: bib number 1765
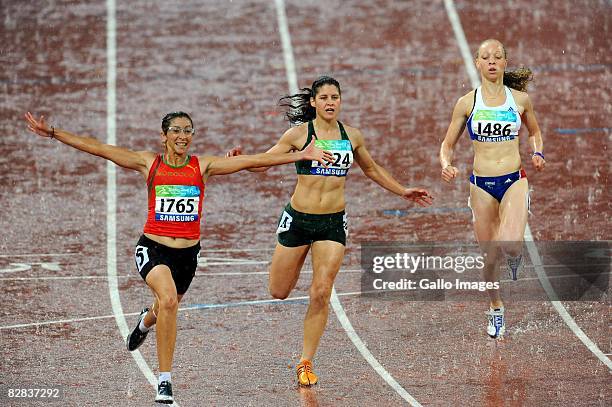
[176, 205]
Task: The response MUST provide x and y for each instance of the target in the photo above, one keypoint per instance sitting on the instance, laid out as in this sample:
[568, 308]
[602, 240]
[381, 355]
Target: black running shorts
[299, 229]
[182, 262]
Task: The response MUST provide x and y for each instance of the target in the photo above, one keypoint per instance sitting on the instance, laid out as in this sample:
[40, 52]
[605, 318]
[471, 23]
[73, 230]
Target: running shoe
[515, 266]
[497, 324]
[305, 375]
[164, 393]
[137, 337]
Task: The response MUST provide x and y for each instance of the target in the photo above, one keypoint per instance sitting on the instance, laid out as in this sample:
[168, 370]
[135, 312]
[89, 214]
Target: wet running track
[113, 69]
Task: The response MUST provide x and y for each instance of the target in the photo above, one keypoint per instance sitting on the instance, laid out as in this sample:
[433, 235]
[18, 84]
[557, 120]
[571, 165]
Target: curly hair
[518, 78]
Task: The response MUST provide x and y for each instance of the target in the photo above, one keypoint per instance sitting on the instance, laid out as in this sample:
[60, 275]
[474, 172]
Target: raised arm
[454, 131]
[535, 135]
[381, 176]
[228, 165]
[123, 157]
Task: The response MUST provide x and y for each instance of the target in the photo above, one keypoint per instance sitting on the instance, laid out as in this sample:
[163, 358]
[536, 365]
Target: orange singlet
[175, 199]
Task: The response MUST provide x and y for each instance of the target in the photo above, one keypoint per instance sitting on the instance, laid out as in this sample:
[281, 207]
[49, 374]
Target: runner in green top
[314, 218]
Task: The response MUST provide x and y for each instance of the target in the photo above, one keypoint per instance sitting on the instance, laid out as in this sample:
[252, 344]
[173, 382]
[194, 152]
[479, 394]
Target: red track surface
[401, 72]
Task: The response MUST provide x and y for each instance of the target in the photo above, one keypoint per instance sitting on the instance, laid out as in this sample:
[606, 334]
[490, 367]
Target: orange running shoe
[305, 375]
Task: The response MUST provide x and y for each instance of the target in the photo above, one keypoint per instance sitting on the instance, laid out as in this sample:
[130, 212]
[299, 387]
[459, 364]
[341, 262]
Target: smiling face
[326, 102]
[491, 60]
[178, 136]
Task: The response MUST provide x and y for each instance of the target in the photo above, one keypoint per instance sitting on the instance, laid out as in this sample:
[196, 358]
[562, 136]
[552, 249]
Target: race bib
[495, 125]
[285, 223]
[177, 203]
[343, 158]
[141, 255]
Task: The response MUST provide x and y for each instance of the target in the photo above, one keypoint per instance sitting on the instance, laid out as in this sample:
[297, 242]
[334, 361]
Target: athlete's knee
[278, 293]
[510, 240]
[512, 249]
[320, 294]
[168, 302]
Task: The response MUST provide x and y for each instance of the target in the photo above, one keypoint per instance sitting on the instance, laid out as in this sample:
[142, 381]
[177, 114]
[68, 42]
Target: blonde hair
[516, 79]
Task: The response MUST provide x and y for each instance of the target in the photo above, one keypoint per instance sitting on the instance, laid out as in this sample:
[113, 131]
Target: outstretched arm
[228, 165]
[284, 145]
[382, 177]
[121, 156]
[535, 135]
[455, 129]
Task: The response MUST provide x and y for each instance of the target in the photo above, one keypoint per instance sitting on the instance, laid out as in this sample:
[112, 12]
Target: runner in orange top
[166, 254]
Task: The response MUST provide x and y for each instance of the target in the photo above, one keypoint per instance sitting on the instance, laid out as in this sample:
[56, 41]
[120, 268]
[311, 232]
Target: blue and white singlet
[494, 124]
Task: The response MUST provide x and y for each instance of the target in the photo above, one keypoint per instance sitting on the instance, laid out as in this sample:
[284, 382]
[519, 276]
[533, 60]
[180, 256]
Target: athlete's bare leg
[285, 269]
[327, 258]
[513, 212]
[161, 282]
[485, 209]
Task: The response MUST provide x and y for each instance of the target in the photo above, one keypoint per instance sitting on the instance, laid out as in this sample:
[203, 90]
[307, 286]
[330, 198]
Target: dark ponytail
[298, 105]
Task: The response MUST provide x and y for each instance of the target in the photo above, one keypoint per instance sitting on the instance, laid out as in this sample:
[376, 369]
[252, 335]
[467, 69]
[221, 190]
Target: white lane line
[225, 260]
[111, 189]
[455, 21]
[37, 255]
[283, 28]
[558, 305]
[45, 278]
[198, 274]
[533, 251]
[61, 321]
[16, 268]
[269, 249]
[365, 352]
[289, 300]
[19, 267]
[235, 264]
[250, 273]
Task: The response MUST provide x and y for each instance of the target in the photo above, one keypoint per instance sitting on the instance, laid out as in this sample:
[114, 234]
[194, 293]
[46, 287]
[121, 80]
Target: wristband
[538, 154]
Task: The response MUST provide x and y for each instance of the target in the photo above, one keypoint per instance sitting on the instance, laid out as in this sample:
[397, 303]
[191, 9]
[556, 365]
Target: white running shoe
[497, 323]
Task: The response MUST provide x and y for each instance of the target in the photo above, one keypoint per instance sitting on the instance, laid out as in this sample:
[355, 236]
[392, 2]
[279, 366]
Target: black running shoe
[164, 393]
[137, 337]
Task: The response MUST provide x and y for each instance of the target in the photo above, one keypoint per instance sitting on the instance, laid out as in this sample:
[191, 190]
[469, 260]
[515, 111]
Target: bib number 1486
[494, 129]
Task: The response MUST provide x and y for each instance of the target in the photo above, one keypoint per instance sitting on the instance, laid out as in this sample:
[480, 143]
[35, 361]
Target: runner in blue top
[499, 193]
[314, 219]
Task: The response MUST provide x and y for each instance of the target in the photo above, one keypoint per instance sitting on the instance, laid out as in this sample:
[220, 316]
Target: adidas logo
[508, 180]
